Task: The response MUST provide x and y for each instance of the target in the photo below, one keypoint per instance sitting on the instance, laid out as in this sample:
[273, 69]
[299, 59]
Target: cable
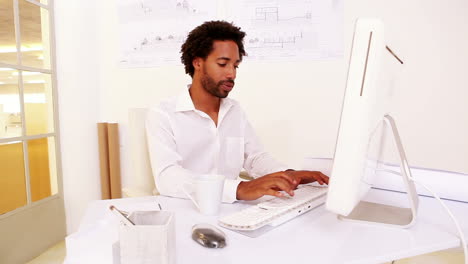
[462, 236]
[460, 232]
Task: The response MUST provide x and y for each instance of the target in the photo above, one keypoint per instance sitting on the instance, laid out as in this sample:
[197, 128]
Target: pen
[119, 214]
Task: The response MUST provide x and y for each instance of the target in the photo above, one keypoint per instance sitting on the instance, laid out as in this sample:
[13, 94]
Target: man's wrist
[238, 191]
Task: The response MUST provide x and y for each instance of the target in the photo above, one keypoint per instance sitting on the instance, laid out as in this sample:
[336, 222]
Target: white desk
[315, 237]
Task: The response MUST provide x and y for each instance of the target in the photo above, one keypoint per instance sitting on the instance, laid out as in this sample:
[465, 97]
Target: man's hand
[303, 177]
[269, 184]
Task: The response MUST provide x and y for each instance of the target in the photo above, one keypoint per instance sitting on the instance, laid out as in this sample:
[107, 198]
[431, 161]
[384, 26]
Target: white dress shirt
[184, 142]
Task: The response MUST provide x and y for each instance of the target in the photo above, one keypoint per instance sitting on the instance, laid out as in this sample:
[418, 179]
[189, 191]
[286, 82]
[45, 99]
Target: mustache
[226, 81]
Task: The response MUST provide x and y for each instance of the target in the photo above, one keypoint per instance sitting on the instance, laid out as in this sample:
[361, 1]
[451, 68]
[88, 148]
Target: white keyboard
[277, 210]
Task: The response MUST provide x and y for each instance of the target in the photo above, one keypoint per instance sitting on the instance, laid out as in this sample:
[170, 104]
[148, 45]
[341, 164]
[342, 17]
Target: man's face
[218, 70]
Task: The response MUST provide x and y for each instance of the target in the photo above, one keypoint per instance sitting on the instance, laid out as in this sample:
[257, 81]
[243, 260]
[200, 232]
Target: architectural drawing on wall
[152, 31]
[271, 13]
[279, 30]
[146, 9]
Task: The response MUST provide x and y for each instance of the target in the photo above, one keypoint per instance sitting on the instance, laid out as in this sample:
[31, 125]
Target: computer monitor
[364, 109]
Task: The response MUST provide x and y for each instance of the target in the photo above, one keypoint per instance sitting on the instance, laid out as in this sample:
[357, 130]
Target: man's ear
[197, 62]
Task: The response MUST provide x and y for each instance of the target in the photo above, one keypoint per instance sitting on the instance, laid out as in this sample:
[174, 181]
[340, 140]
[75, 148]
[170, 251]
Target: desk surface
[315, 237]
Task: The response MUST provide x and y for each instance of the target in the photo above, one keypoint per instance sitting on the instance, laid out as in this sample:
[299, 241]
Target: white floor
[56, 255]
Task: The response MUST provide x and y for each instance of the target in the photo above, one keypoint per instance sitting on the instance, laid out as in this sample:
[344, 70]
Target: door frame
[29, 230]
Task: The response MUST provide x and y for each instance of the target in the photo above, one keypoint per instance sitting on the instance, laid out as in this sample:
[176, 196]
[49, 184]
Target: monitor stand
[382, 214]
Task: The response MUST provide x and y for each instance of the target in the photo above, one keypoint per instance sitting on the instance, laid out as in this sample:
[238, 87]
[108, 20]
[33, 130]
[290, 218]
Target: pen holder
[150, 240]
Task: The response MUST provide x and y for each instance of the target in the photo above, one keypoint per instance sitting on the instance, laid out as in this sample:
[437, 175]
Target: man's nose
[231, 73]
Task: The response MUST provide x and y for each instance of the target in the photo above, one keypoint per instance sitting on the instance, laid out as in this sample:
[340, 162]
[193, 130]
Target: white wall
[294, 107]
[77, 77]
[430, 106]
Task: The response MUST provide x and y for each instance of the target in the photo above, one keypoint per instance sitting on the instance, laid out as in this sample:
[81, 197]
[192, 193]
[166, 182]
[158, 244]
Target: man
[202, 131]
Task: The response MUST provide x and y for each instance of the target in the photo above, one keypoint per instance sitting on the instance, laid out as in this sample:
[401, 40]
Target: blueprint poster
[152, 31]
[290, 30]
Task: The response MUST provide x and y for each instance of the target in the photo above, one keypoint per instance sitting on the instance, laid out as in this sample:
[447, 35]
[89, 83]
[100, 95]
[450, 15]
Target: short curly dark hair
[199, 42]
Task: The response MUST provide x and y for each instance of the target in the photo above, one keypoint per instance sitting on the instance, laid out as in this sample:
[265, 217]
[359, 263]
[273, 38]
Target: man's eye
[222, 65]
[236, 66]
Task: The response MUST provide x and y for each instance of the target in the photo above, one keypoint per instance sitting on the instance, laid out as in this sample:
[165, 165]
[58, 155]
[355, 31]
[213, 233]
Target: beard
[214, 88]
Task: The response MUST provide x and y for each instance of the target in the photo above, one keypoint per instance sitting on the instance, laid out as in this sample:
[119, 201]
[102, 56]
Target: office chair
[142, 175]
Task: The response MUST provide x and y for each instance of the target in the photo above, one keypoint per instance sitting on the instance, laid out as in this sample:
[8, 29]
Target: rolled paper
[104, 161]
[114, 160]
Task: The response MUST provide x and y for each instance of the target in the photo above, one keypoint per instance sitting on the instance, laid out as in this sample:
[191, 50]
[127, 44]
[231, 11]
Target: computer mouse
[208, 236]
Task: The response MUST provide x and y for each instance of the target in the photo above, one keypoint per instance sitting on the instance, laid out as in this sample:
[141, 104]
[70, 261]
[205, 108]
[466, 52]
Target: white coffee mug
[206, 192]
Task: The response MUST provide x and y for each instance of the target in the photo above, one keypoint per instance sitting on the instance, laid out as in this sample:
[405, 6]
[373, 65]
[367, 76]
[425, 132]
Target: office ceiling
[31, 38]
[30, 19]
[30, 31]
[7, 32]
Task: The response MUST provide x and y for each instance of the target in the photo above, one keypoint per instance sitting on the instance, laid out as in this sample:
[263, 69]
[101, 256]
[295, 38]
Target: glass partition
[8, 51]
[12, 179]
[42, 173]
[10, 107]
[35, 46]
[38, 105]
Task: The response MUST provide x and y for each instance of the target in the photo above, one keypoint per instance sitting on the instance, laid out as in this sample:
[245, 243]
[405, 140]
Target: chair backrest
[142, 175]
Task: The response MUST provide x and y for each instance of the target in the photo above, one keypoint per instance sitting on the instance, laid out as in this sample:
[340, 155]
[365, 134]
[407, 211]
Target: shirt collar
[185, 103]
